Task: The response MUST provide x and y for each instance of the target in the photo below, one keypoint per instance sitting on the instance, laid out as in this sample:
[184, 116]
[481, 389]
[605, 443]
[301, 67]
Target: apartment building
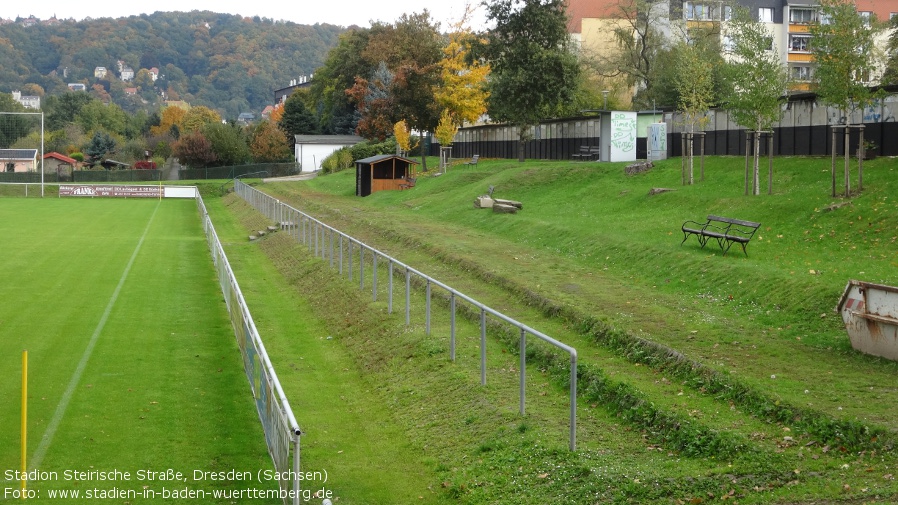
[789, 22]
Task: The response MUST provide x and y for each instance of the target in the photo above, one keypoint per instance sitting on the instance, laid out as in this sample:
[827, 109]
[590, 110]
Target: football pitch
[136, 390]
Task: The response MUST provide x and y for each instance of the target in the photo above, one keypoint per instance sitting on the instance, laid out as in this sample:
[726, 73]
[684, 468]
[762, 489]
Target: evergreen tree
[99, 146]
[297, 119]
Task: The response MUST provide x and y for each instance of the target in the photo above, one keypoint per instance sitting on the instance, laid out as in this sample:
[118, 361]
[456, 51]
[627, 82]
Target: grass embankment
[701, 373]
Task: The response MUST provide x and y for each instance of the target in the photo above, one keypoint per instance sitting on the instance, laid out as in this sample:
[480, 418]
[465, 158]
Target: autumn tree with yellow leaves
[403, 136]
[463, 91]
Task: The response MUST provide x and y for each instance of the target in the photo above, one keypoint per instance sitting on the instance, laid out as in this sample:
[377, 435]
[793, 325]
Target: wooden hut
[383, 172]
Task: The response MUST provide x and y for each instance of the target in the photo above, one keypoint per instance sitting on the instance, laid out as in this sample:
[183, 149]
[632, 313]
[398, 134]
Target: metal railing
[324, 241]
[282, 432]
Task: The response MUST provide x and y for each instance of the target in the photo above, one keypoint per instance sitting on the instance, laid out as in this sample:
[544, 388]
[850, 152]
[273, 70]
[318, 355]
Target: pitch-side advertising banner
[113, 191]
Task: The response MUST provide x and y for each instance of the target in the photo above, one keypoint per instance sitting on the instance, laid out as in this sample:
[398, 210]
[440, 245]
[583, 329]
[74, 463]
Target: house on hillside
[100, 72]
[310, 150]
[77, 86]
[18, 160]
[245, 118]
[29, 102]
[127, 73]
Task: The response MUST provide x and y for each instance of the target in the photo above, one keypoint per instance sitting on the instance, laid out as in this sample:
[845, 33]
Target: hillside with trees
[225, 62]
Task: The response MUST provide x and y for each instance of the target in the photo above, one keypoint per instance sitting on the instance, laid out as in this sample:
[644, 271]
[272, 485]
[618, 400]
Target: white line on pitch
[47, 439]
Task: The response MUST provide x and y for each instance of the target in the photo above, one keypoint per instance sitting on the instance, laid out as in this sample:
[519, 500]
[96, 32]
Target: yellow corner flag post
[24, 419]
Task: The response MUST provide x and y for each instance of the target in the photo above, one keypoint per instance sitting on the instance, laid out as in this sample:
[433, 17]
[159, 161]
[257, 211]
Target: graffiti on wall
[623, 132]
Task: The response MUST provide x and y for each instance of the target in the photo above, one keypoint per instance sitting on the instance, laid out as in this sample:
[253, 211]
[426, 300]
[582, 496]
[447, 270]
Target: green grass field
[133, 365]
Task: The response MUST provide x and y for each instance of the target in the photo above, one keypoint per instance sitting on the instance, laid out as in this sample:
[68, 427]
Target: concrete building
[592, 26]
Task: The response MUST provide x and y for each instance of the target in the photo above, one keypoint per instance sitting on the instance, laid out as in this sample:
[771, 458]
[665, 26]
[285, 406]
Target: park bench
[726, 231]
[473, 161]
[587, 153]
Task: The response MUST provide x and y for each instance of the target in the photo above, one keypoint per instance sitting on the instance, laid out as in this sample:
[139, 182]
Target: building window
[801, 16]
[696, 11]
[799, 42]
[710, 11]
[866, 16]
[801, 73]
[765, 15]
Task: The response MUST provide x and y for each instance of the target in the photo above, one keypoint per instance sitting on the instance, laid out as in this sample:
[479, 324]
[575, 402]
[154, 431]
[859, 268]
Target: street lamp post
[605, 99]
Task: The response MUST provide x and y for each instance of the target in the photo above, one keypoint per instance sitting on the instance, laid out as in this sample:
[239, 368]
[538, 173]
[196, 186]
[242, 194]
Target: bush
[340, 159]
[77, 156]
[367, 149]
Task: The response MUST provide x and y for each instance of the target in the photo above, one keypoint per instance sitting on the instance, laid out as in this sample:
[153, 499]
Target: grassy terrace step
[472, 437]
[818, 427]
[624, 281]
[496, 457]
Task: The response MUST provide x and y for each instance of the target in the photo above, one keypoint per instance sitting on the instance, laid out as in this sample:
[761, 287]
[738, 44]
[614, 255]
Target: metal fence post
[523, 365]
[427, 310]
[452, 326]
[361, 266]
[390, 288]
[573, 434]
[374, 278]
[408, 296]
[482, 347]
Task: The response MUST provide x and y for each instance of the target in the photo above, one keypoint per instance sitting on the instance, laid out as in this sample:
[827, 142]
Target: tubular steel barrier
[282, 432]
[320, 239]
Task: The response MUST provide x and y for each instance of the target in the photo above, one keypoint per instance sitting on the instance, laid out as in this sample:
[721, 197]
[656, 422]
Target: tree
[269, 144]
[62, 109]
[169, 121]
[12, 126]
[296, 118]
[695, 84]
[194, 150]
[375, 104]
[403, 136]
[413, 49]
[462, 91]
[757, 82]
[343, 64]
[890, 76]
[99, 146]
[845, 56]
[534, 74]
[196, 117]
[638, 31]
[97, 115]
[227, 142]
[445, 134]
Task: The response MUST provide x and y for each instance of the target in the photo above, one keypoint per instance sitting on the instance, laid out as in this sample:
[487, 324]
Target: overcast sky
[337, 12]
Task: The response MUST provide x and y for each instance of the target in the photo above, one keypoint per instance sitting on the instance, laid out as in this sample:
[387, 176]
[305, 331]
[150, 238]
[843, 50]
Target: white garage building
[311, 150]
